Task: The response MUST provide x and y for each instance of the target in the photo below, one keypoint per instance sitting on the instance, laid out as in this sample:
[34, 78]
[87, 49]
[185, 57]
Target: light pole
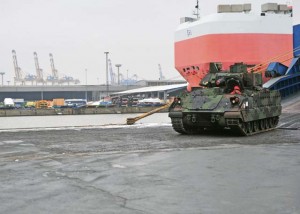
[118, 66]
[85, 76]
[2, 73]
[86, 85]
[107, 87]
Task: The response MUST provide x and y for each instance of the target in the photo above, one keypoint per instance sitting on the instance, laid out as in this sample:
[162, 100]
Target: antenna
[197, 12]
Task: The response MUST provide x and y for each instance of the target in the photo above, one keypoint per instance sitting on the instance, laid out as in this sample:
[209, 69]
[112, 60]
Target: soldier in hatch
[236, 90]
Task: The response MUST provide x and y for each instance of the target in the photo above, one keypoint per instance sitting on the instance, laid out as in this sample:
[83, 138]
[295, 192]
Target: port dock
[75, 111]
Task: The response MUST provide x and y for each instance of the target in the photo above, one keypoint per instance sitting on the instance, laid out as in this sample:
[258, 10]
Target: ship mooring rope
[260, 67]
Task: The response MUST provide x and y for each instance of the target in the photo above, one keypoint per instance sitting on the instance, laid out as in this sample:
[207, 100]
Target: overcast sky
[139, 34]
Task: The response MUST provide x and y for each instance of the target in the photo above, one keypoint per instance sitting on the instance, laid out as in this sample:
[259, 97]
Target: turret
[237, 75]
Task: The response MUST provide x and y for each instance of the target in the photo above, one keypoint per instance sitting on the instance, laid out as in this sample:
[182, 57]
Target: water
[60, 121]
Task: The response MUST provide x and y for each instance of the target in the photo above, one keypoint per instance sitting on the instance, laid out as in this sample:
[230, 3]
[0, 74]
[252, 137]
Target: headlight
[176, 100]
[234, 100]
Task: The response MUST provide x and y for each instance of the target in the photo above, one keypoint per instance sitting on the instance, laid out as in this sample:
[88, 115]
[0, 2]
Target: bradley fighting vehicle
[232, 100]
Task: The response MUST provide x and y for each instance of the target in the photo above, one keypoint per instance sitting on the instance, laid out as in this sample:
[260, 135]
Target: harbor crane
[112, 74]
[30, 78]
[129, 81]
[135, 77]
[68, 79]
[39, 71]
[18, 72]
[54, 77]
[39, 77]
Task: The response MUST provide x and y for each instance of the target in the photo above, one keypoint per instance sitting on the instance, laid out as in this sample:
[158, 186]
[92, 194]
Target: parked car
[76, 103]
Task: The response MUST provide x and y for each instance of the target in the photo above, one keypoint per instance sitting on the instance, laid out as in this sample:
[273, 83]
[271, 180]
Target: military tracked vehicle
[233, 99]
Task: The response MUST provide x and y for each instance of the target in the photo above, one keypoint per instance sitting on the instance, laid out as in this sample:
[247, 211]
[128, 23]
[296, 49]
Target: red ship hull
[228, 49]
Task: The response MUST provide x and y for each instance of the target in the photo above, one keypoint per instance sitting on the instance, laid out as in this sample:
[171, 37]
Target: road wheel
[255, 126]
[267, 123]
[275, 121]
[271, 122]
[249, 127]
[262, 124]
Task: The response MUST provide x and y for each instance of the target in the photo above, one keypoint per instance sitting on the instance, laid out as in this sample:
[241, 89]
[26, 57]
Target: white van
[9, 103]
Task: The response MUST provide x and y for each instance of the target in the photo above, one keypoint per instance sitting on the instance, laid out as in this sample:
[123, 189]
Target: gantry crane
[112, 74]
[39, 71]
[68, 80]
[130, 80]
[18, 72]
[54, 77]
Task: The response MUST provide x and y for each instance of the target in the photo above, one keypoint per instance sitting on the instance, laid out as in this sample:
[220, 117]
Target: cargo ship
[233, 34]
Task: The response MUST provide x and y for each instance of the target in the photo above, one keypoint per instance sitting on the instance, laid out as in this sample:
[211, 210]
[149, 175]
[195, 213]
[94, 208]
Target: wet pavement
[150, 169]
